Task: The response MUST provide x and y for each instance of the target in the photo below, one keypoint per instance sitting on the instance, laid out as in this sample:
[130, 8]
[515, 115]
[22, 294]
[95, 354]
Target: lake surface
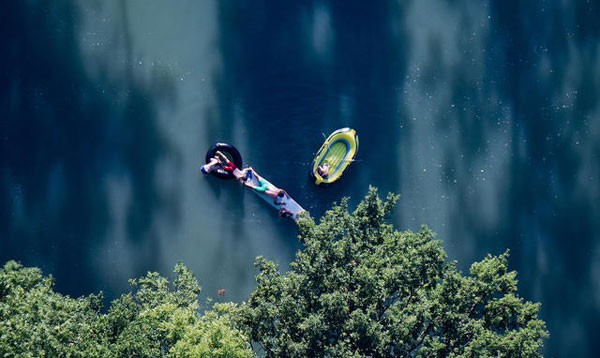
[483, 115]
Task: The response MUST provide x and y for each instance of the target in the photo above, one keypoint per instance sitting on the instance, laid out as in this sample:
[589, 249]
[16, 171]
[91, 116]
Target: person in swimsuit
[279, 199]
[210, 166]
[323, 170]
[278, 195]
[284, 212]
[229, 166]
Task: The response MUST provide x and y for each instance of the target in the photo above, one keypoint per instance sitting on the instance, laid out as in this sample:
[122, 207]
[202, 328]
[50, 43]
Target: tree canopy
[156, 319]
[35, 321]
[358, 288]
[361, 288]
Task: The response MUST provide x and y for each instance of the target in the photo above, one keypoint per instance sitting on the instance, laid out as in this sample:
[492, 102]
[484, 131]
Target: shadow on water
[542, 64]
[64, 135]
[294, 72]
[550, 112]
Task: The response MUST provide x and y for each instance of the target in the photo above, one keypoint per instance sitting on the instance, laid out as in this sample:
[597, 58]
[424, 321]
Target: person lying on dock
[279, 199]
[278, 195]
[284, 212]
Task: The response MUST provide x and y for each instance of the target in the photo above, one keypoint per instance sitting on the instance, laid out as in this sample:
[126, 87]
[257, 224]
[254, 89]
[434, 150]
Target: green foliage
[155, 320]
[35, 321]
[360, 288]
[150, 321]
[214, 336]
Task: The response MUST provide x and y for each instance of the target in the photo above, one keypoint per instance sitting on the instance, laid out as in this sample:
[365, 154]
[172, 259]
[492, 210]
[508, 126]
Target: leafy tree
[214, 336]
[361, 288]
[35, 321]
[157, 319]
[149, 321]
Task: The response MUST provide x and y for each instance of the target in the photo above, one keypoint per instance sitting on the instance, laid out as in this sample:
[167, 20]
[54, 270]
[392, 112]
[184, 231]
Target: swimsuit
[263, 186]
[229, 167]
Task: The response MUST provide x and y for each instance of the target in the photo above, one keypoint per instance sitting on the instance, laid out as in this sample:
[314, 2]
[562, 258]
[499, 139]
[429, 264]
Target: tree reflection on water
[489, 107]
[483, 116]
[65, 136]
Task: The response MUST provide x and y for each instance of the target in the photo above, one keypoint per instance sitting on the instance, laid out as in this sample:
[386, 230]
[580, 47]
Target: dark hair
[281, 193]
[284, 213]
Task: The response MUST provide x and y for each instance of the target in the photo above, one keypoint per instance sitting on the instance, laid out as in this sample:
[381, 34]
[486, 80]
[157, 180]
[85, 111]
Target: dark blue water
[484, 116]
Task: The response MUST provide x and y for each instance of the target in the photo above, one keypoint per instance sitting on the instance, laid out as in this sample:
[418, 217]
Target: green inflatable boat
[335, 155]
